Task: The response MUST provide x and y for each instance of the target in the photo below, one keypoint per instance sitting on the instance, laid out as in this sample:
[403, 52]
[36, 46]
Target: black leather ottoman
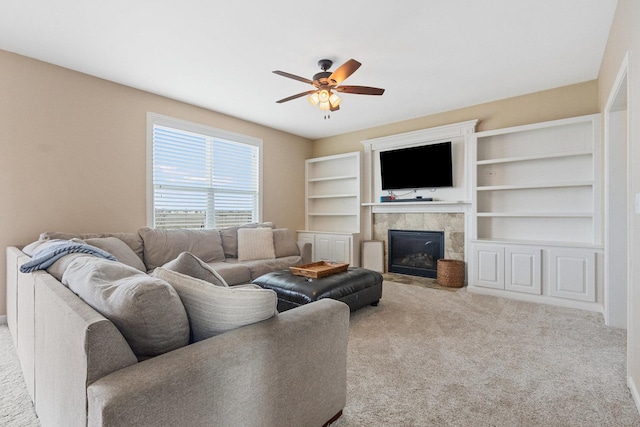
[356, 287]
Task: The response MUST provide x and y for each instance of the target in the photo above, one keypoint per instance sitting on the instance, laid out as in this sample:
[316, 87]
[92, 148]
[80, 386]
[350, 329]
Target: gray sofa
[288, 370]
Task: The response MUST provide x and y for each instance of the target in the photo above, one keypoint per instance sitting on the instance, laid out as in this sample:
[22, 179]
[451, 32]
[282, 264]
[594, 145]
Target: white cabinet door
[572, 274]
[341, 248]
[523, 269]
[323, 250]
[488, 266]
[332, 247]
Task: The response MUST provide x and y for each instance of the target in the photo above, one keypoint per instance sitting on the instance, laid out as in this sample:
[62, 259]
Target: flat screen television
[426, 166]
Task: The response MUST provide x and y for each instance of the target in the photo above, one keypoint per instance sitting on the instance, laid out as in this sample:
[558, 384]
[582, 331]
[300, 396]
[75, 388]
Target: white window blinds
[202, 180]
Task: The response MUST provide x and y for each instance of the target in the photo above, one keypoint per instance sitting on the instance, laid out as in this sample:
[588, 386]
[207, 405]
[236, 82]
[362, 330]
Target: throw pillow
[118, 249]
[213, 310]
[229, 236]
[255, 243]
[189, 264]
[146, 310]
[283, 243]
[162, 246]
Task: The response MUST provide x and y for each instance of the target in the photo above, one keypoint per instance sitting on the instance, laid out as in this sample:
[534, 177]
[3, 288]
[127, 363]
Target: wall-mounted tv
[426, 166]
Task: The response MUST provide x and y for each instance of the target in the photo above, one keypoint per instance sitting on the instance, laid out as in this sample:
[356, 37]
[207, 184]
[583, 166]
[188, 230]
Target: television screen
[426, 166]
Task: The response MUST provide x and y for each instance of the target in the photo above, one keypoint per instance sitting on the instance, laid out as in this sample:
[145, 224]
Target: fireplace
[415, 252]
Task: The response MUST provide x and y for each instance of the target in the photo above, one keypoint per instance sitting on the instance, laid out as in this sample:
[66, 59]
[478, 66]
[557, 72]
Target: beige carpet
[15, 404]
[428, 357]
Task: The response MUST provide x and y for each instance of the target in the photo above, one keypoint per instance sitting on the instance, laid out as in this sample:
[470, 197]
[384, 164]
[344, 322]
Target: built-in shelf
[332, 208]
[417, 203]
[536, 185]
[536, 214]
[329, 214]
[536, 222]
[332, 178]
[540, 243]
[536, 157]
[332, 196]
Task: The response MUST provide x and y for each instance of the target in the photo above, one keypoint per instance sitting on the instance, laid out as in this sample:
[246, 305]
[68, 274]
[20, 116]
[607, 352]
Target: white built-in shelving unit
[333, 209]
[537, 211]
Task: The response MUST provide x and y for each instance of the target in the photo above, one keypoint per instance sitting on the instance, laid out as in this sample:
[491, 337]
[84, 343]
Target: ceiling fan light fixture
[325, 105]
[314, 99]
[324, 95]
[334, 100]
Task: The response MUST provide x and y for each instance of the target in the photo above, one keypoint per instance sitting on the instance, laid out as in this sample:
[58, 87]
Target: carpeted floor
[425, 357]
[15, 404]
[428, 357]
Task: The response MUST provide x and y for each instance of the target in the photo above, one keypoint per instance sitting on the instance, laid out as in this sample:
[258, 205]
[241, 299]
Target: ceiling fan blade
[344, 71]
[335, 108]
[293, 76]
[295, 96]
[360, 90]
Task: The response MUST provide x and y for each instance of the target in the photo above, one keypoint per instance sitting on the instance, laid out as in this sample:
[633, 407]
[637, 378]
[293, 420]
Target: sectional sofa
[89, 361]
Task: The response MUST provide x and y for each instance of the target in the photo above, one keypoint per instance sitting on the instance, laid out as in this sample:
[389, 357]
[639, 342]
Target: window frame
[179, 124]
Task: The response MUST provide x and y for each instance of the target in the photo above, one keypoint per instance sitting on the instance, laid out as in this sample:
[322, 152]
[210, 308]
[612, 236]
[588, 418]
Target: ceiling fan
[326, 83]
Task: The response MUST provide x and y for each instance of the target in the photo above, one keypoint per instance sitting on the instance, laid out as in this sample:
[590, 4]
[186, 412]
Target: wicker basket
[450, 273]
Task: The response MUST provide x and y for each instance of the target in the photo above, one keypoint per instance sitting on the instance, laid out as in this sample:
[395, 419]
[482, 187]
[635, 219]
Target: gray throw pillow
[189, 264]
[118, 249]
[146, 310]
[162, 246]
[284, 243]
[213, 310]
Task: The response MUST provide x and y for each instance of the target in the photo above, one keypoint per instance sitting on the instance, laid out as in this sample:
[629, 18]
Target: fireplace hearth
[415, 252]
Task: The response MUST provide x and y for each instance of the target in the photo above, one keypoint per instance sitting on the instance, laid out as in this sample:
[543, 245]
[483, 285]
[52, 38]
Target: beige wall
[625, 37]
[73, 154]
[569, 101]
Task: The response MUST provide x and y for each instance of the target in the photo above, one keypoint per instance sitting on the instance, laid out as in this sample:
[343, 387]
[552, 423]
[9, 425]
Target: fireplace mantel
[409, 207]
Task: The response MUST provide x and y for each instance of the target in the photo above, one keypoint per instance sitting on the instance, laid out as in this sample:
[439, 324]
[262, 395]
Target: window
[201, 177]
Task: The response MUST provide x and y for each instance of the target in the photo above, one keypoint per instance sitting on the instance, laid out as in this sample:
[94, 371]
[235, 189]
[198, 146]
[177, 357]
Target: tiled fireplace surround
[451, 223]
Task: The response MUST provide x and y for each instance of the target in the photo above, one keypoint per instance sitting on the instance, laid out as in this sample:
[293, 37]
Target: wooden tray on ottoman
[319, 269]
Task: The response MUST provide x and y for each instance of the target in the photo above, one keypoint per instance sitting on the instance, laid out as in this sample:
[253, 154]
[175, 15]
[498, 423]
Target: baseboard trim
[541, 299]
[634, 392]
[3, 319]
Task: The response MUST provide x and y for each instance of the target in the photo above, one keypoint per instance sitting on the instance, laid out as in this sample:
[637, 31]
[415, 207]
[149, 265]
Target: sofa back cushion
[118, 249]
[213, 310]
[162, 246]
[147, 311]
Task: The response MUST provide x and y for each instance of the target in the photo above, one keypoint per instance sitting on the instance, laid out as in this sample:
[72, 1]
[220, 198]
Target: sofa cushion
[233, 272]
[162, 246]
[58, 268]
[255, 243]
[189, 264]
[264, 266]
[213, 310]
[147, 311]
[229, 236]
[283, 243]
[118, 249]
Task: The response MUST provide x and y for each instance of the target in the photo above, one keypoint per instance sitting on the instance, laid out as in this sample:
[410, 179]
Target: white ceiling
[429, 55]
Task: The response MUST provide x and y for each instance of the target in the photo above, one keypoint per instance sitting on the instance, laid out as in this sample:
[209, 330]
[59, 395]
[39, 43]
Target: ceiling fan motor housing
[325, 64]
